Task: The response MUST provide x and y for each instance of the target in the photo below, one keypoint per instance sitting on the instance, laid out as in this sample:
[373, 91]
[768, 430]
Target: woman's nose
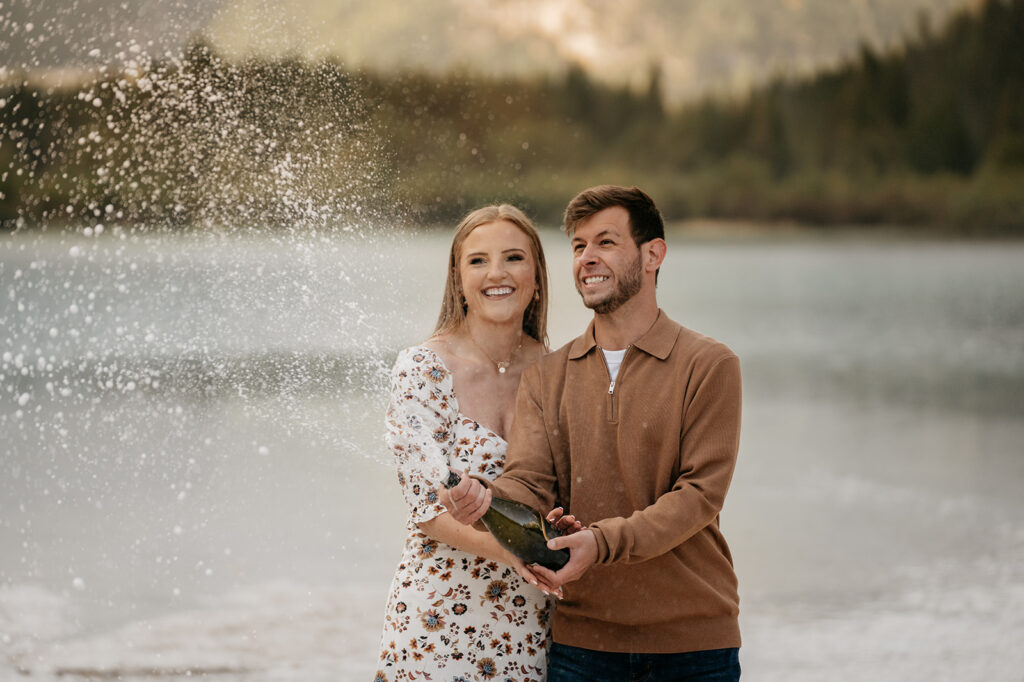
[496, 270]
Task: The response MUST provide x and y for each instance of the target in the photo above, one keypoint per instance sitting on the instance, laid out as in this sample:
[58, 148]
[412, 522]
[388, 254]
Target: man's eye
[577, 247]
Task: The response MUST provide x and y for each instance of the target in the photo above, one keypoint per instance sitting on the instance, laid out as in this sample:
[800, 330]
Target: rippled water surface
[192, 472]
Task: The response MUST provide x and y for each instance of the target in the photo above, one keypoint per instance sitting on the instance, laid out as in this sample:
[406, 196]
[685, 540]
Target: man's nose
[588, 255]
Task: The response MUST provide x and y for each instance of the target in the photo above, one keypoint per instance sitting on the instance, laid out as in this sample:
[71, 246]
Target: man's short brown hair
[645, 222]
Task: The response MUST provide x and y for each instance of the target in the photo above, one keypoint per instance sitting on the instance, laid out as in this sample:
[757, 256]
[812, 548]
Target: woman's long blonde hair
[453, 307]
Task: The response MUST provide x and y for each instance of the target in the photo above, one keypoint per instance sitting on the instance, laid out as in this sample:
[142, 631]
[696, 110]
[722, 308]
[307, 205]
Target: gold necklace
[502, 366]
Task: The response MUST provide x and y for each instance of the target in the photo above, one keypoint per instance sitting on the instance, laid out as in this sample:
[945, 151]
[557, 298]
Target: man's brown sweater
[646, 466]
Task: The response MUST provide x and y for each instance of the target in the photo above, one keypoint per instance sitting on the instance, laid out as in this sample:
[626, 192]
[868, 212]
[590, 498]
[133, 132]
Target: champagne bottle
[520, 529]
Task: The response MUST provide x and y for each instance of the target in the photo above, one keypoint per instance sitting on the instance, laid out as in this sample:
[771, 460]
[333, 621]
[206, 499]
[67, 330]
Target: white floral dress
[451, 615]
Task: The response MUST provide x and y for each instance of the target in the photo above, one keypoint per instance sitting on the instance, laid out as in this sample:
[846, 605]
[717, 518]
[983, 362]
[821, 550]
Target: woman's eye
[476, 261]
[516, 256]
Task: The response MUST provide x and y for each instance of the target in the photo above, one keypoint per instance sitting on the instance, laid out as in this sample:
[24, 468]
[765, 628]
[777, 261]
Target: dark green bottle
[521, 530]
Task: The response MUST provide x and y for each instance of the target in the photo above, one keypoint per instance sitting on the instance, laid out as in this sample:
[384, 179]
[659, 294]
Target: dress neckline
[458, 410]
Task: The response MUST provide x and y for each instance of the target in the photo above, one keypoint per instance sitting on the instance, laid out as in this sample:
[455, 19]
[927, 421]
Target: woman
[457, 603]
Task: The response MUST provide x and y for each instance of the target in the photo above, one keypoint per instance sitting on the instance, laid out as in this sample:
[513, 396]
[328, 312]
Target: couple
[632, 429]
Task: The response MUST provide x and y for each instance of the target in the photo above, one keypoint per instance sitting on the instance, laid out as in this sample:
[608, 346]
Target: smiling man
[633, 428]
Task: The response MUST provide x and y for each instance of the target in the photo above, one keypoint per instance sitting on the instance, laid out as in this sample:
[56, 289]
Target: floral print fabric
[451, 615]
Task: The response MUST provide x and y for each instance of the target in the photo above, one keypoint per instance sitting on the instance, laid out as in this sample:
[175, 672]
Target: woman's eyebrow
[514, 249]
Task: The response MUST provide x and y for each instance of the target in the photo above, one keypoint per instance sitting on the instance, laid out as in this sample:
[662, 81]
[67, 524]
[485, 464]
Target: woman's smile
[497, 271]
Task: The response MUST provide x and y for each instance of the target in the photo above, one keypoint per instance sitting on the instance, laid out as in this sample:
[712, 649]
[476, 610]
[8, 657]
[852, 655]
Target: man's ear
[654, 254]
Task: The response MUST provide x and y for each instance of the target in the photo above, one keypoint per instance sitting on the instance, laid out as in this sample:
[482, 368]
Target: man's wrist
[601, 543]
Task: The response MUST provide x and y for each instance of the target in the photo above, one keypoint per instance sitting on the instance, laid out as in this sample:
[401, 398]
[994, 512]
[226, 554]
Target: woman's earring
[536, 295]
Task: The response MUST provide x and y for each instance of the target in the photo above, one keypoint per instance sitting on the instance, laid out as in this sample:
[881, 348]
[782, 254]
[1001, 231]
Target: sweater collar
[657, 341]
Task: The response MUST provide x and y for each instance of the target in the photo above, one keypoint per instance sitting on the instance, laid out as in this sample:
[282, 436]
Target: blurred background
[220, 220]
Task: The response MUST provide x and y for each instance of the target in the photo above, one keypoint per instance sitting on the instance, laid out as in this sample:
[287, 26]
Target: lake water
[193, 476]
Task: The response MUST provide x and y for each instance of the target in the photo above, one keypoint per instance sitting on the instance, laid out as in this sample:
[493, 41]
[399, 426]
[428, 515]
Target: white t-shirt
[614, 360]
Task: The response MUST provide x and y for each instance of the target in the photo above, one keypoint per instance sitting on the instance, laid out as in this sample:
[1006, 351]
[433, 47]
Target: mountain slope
[702, 45]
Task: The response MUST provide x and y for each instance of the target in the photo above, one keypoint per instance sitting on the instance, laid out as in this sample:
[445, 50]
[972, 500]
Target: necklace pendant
[501, 367]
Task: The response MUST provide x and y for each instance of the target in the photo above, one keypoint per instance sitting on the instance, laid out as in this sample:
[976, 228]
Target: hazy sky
[49, 33]
[699, 44]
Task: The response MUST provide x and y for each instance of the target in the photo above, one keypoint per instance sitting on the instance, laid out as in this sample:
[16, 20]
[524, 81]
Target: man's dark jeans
[572, 664]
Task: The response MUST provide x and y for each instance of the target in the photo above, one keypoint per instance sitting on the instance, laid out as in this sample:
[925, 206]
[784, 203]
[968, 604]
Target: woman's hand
[467, 501]
[565, 523]
[526, 573]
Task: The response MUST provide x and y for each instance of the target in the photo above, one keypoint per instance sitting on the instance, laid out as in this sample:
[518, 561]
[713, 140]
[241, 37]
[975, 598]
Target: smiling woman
[458, 601]
[453, 305]
[498, 275]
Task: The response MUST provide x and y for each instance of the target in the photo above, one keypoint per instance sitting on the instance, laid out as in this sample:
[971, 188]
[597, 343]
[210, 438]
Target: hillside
[701, 46]
[928, 133]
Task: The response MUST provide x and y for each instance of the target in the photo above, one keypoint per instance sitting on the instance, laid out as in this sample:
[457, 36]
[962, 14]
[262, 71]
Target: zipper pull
[611, 388]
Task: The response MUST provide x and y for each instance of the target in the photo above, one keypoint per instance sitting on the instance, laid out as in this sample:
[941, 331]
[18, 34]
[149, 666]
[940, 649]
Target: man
[632, 428]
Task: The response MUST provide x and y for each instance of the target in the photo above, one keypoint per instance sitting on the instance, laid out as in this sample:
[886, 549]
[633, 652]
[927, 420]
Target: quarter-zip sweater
[645, 464]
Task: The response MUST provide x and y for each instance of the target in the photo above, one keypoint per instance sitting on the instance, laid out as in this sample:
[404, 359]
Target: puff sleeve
[420, 422]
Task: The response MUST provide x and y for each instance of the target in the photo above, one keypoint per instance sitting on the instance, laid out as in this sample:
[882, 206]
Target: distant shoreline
[738, 230]
[723, 230]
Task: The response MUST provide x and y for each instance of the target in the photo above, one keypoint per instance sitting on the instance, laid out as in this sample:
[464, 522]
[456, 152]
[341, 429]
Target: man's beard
[628, 286]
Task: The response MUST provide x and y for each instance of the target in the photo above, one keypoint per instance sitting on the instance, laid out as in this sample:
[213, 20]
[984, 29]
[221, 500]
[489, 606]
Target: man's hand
[582, 548]
[467, 501]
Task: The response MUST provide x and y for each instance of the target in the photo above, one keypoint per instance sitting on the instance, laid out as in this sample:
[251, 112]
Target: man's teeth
[595, 279]
[498, 291]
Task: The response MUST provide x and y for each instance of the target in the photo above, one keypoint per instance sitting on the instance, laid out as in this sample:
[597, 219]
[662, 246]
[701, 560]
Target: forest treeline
[930, 133]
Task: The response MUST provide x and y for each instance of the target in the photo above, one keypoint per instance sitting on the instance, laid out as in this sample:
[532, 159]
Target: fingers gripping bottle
[520, 529]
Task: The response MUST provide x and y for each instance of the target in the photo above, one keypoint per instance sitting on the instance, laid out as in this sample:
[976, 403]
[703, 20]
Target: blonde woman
[459, 603]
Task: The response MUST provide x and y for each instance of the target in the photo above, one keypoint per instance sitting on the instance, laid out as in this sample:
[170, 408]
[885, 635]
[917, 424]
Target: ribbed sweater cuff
[602, 545]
